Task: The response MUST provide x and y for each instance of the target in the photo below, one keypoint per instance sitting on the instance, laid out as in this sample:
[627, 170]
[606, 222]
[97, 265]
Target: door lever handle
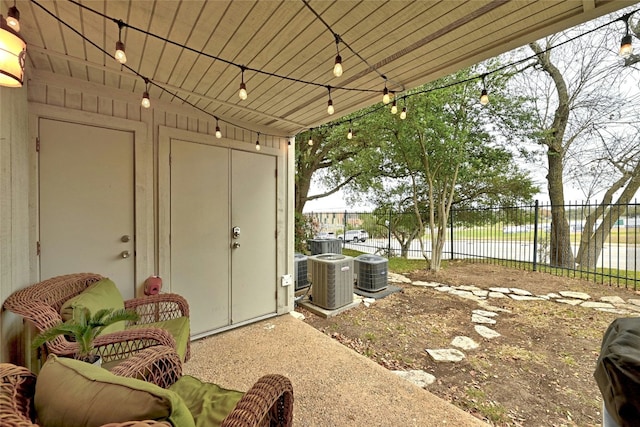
[124, 254]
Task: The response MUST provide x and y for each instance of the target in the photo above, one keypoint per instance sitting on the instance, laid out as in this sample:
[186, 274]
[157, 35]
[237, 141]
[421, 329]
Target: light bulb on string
[337, 67]
[330, 109]
[258, 142]
[13, 18]
[403, 113]
[484, 95]
[350, 133]
[394, 106]
[146, 102]
[310, 137]
[242, 93]
[218, 131]
[626, 48]
[120, 55]
[385, 95]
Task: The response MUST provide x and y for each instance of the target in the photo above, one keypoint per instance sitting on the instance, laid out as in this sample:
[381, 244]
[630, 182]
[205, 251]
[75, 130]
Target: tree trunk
[561, 254]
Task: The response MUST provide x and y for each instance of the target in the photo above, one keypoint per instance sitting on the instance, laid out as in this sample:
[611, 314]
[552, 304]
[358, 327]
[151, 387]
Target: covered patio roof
[194, 51]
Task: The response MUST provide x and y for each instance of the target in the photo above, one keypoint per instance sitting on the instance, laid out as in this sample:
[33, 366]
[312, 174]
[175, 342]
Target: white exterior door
[86, 202]
[226, 279]
[253, 201]
[199, 233]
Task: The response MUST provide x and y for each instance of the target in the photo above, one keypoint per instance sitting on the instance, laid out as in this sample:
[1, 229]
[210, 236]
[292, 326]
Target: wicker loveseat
[101, 398]
[41, 304]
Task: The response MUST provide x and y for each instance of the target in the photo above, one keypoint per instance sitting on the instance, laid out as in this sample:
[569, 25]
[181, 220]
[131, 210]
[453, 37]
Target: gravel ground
[333, 385]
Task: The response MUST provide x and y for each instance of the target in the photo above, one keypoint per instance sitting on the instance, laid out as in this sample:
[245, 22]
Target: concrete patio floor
[333, 385]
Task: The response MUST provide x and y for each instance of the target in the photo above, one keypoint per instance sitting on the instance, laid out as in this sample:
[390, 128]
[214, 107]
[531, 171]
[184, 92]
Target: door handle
[235, 245]
[125, 254]
[125, 238]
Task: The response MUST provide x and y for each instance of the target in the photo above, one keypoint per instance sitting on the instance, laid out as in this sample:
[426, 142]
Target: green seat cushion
[209, 403]
[100, 295]
[178, 328]
[74, 393]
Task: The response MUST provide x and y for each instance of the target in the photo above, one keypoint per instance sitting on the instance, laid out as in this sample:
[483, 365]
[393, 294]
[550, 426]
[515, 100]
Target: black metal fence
[602, 243]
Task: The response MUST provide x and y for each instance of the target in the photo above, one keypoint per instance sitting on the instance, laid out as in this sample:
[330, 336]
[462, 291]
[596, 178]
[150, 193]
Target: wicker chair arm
[17, 388]
[139, 424]
[154, 308]
[124, 344]
[159, 365]
[270, 399]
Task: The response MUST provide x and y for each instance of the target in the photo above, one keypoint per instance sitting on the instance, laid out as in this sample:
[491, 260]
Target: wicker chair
[41, 302]
[268, 403]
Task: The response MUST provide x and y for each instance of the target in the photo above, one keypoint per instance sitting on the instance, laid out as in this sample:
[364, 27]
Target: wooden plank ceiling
[195, 48]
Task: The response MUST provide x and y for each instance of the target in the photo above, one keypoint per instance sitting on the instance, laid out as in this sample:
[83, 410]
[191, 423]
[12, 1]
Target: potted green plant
[84, 328]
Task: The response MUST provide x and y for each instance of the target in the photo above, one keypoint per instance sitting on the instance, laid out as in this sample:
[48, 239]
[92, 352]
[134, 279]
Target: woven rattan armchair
[268, 403]
[41, 302]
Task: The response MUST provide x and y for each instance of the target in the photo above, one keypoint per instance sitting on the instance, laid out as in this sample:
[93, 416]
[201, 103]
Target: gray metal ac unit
[371, 272]
[300, 271]
[331, 278]
[325, 246]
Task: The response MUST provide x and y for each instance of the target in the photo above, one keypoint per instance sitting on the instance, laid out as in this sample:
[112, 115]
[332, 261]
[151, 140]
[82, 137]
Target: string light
[385, 94]
[626, 48]
[484, 96]
[330, 109]
[350, 133]
[310, 137]
[120, 56]
[146, 103]
[403, 113]
[394, 106]
[218, 132]
[243, 87]
[13, 18]
[337, 68]
[258, 142]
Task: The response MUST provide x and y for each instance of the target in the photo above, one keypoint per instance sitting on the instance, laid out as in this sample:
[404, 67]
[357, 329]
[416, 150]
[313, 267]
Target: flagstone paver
[485, 313]
[613, 299]
[446, 355]
[485, 332]
[416, 376]
[476, 318]
[575, 295]
[464, 343]
[520, 292]
[524, 297]
[594, 304]
[501, 290]
[494, 294]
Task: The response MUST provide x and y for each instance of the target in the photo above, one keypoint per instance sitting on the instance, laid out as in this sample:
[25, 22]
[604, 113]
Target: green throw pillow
[208, 403]
[74, 393]
[99, 295]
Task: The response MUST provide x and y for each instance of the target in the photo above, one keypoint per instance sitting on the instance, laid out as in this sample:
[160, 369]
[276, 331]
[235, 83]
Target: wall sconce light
[13, 51]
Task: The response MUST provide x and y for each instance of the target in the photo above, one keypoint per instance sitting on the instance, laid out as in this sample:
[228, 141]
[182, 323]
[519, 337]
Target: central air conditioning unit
[300, 272]
[331, 278]
[371, 272]
[325, 246]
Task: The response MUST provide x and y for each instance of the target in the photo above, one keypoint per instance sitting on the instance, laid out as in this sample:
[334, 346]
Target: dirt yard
[538, 373]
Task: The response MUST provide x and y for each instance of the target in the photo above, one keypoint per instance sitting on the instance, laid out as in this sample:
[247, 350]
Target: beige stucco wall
[47, 95]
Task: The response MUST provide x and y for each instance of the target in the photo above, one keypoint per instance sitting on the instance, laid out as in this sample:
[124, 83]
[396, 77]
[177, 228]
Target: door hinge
[37, 248]
[37, 144]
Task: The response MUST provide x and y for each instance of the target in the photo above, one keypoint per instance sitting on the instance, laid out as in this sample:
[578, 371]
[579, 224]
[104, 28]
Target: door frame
[143, 180]
[284, 294]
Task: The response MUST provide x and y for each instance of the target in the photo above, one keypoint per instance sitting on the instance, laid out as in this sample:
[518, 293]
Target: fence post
[344, 232]
[535, 237]
[389, 233]
[451, 227]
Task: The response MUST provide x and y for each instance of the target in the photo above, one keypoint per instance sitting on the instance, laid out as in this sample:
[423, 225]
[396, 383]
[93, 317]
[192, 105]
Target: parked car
[355, 236]
[325, 235]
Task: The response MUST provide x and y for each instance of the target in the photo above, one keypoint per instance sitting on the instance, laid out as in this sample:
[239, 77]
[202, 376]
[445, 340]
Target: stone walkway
[486, 317]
